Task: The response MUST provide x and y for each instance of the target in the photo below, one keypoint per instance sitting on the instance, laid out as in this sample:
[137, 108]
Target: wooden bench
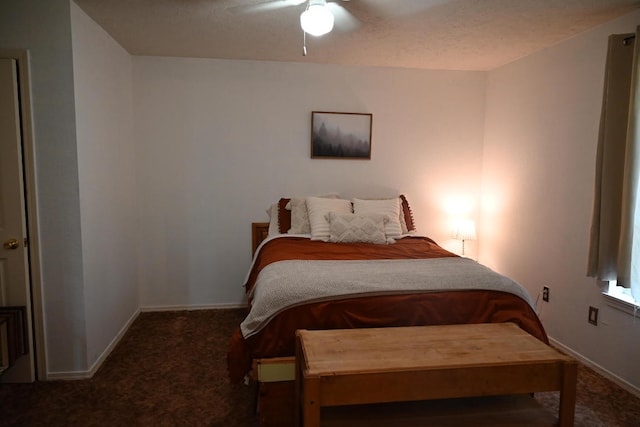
[362, 366]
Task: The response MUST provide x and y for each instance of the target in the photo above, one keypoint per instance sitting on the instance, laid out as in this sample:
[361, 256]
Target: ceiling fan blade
[389, 9]
[264, 6]
[344, 20]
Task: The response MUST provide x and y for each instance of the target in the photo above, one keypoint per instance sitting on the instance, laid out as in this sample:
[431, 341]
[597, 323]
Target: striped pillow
[318, 208]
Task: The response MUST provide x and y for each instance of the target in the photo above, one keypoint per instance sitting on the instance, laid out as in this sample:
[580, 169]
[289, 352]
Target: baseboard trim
[83, 375]
[151, 308]
[68, 375]
[599, 369]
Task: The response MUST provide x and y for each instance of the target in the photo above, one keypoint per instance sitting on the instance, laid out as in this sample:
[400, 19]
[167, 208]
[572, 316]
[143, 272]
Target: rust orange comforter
[435, 308]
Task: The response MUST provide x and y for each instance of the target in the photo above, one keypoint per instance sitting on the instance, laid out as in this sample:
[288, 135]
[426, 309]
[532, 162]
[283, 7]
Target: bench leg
[568, 394]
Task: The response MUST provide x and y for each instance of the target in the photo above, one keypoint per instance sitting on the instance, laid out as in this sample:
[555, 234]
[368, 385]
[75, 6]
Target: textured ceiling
[433, 34]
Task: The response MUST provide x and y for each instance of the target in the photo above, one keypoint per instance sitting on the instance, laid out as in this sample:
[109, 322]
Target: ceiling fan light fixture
[317, 19]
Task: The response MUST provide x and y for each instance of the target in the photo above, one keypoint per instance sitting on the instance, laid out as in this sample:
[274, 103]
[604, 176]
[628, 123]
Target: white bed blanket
[286, 284]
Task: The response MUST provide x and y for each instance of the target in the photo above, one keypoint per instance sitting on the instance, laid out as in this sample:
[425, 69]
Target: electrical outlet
[545, 294]
[593, 315]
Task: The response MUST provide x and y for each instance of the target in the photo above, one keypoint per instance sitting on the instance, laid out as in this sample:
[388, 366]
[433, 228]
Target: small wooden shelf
[494, 411]
[276, 409]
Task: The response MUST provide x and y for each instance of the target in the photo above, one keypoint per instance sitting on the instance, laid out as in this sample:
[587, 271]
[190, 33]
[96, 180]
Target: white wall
[216, 141]
[106, 166]
[540, 143]
[220, 140]
[43, 27]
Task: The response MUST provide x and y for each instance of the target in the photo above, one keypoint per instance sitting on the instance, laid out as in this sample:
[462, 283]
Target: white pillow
[388, 207]
[299, 216]
[357, 228]
[273, 219]
[318, 208]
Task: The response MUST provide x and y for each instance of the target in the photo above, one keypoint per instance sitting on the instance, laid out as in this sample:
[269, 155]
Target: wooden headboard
[259, 232]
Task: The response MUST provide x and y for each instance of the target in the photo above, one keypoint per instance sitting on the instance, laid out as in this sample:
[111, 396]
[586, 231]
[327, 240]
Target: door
[15, 290]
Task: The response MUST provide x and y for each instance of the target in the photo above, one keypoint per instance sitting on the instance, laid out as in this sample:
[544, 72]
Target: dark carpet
[170, 370]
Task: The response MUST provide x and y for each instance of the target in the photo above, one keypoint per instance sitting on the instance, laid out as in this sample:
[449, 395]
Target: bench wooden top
[358, 351]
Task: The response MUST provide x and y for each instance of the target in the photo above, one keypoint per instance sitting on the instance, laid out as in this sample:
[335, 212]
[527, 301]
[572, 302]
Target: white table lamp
[464, 229]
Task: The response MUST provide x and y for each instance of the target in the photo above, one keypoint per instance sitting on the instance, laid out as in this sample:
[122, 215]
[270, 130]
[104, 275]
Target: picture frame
[337, 135]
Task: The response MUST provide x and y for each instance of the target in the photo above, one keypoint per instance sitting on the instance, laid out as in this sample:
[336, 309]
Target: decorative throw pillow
[406, 216]
[273, 219]
[284, 216]
[318, 208]
[368, 228]
[388, 207]
[299, 216]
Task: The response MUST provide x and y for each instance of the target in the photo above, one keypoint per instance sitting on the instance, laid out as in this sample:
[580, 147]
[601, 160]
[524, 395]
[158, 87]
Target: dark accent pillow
[408, 215]
[284, 216]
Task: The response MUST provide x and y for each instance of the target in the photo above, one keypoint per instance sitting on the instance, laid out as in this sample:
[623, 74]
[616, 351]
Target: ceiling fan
[319, 15]
[344, 19]
[316, 19]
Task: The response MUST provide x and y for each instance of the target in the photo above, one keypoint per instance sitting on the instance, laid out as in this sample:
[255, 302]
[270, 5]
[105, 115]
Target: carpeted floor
[170, 370]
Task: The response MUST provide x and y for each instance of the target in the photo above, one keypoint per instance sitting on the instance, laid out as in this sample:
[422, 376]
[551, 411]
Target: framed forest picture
[341, 135]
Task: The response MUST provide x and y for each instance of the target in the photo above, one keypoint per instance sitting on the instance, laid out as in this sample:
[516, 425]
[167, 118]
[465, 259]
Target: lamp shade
[464, 229]
[317, 19]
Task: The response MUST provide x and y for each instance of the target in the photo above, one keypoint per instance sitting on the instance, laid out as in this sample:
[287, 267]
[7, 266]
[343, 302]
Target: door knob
[11, 244]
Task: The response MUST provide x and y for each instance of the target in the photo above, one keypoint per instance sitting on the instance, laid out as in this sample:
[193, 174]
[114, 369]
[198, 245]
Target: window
[618, 292]
[614, 253]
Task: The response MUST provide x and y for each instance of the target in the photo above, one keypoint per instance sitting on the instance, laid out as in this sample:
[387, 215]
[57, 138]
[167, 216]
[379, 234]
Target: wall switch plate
[545, 294]
[593, 315]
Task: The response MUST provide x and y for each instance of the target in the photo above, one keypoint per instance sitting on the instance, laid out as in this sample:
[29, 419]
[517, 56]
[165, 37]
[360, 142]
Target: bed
[357, 263]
